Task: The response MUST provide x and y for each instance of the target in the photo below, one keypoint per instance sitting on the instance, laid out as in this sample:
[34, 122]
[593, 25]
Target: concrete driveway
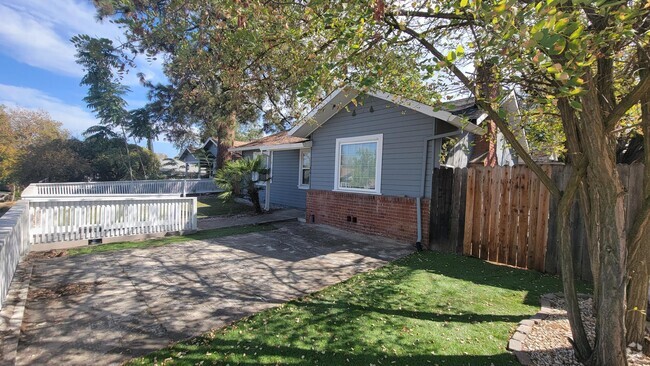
[106, 308]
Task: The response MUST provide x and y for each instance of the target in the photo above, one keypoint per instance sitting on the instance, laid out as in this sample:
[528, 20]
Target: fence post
[194, 213]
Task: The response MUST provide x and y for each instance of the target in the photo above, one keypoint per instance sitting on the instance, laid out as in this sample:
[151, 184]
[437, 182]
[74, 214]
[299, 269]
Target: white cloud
[74, 118]
[37, 33]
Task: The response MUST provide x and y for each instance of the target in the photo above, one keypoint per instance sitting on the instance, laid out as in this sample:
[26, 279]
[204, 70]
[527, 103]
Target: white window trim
[379, 139]
[301, 185]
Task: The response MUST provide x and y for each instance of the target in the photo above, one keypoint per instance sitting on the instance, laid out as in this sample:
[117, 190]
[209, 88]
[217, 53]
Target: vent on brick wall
[354, 219]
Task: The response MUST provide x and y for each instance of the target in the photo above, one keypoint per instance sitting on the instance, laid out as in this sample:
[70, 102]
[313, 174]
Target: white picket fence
[14, 244]
[64, 219]
[138, 187]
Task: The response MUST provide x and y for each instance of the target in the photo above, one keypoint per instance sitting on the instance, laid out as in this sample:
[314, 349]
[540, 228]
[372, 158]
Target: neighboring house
[201, 162]
[175, 168]
[363, 161]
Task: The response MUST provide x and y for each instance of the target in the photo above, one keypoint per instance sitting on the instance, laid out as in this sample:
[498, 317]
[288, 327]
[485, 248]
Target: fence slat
[469, 212]
[533, 199]
[478, 217]
[493, 228]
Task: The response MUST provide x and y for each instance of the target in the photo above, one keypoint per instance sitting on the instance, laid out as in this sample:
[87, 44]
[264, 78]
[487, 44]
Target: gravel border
[525, 328]
[533, 333]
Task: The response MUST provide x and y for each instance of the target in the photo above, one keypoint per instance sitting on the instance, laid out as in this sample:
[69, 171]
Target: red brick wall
[393, 217]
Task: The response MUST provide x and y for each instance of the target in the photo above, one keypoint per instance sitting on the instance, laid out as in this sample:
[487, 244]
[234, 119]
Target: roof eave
[293, 146]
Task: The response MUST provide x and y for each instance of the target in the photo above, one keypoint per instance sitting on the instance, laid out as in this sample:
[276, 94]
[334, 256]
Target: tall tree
[104, 67]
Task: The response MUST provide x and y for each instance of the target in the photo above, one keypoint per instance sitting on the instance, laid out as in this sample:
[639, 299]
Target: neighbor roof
[273, 142]
[343, 96]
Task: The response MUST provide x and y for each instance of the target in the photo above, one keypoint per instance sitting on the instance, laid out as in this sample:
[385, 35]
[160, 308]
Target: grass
[211, 206]
[201, 235]
[426, 309]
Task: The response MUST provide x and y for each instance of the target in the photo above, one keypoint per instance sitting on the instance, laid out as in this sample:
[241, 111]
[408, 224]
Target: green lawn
[204, 234]
[426, 309]
[211, 206]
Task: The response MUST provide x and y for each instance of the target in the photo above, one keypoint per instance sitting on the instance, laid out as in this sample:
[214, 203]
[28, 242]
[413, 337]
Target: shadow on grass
[427, 308]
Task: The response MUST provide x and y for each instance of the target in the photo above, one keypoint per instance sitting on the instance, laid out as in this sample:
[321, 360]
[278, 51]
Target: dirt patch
[66, 289]
[49, 254]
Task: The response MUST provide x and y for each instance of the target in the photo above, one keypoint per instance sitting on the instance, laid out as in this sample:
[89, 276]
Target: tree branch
[632, 98]
[426, 14]
[494, 115]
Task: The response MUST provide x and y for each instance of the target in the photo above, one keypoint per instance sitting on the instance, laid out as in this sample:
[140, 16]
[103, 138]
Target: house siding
[284, 185]
[404, 144]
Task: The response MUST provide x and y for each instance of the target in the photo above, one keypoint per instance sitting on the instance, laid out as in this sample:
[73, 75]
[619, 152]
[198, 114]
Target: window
[305, 169]
[358, 164]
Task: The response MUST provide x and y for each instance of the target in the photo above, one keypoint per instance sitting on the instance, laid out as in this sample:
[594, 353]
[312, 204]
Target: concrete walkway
[106, 308]
[241, 220]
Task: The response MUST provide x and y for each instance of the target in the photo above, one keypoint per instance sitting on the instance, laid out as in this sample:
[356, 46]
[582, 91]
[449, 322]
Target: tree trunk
[570, 122]
[580, 341]
[607, 198]
[489, 91]
[150, 144]
[128, 153]
[254, 195]
[639, 253]
[226, 138]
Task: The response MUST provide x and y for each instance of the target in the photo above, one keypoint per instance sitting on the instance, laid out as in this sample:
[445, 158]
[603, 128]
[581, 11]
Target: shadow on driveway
[107, 308]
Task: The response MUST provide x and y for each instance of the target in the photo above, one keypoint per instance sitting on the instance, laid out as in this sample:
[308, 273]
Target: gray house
[284, 154]
[201, 161]
[363, 161]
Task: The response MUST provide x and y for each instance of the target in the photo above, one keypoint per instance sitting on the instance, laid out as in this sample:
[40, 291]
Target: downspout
[418, 200]
[267, 191]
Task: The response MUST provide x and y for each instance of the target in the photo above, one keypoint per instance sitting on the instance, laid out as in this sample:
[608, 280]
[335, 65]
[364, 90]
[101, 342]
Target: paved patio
[107, 308]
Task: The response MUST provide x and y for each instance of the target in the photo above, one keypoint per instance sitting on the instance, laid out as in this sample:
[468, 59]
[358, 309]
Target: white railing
[137, 187]
[14, 244]
[69, 219]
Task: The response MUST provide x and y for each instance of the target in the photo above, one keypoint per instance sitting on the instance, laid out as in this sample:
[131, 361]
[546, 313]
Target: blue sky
[37, 61]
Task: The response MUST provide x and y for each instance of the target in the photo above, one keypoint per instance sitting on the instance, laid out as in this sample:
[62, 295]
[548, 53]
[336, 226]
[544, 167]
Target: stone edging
[515, 345]
[11, 316]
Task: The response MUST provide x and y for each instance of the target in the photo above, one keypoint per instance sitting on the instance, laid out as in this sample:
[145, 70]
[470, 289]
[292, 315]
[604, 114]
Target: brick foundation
[393, 217]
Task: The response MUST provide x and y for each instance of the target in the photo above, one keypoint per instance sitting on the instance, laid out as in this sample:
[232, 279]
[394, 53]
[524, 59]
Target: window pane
[305, 176]
[358, 165]
[306, 159]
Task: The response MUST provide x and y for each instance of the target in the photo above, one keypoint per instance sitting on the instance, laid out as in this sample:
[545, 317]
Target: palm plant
[241, 178]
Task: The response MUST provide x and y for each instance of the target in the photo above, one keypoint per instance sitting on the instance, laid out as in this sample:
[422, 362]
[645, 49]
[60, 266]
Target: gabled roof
[278, 141]
[187, 151]
[343, 96]
[191, 150]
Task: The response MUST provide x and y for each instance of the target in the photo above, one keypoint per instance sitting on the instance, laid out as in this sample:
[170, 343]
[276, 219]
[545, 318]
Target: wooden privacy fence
[506, 215]
[55, 220]
[139, 187]
[447, 219]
